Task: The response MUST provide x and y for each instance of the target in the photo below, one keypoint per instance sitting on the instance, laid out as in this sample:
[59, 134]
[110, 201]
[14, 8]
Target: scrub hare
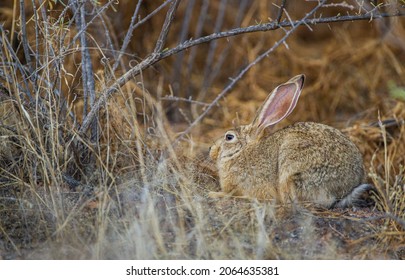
[305, 161]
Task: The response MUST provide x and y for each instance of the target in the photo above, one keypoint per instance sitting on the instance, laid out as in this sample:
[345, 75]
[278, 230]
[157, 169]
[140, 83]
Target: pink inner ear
[280, 104]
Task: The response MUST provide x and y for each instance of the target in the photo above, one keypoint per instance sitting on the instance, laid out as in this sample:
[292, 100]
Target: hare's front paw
[218, 194]
[226, 194]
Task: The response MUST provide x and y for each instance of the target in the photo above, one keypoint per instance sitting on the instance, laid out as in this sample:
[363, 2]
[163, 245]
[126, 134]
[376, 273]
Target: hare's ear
[280, 103]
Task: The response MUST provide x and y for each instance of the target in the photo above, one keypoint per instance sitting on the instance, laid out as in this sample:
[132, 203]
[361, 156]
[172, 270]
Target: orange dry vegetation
[146, 197]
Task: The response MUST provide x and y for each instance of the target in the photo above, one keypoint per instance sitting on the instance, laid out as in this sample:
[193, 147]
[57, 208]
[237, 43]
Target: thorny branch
[158, 54]
[152, 59]
[272, 26]
[134, 26]
[280, 11]
[166, 26]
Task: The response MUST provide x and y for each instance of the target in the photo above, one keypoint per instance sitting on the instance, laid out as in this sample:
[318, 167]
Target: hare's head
[277, 106]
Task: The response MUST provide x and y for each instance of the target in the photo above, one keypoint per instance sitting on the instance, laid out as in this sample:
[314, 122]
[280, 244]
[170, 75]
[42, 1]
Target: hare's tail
[353, 198]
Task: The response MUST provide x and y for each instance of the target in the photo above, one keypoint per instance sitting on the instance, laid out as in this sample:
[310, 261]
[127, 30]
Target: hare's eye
[229, 137]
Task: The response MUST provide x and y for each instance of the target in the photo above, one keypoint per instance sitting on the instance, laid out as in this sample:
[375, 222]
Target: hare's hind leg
[302, 187]
[286, 193]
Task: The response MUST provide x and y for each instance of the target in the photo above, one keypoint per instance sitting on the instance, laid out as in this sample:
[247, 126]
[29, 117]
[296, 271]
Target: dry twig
[157, 55]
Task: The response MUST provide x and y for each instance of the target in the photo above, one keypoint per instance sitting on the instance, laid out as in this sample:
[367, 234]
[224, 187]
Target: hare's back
[315, 135]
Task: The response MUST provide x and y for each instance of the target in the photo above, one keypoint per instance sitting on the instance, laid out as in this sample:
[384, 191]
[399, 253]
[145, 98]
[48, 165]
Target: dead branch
[158, 54]
[246, 69]
[152, 59]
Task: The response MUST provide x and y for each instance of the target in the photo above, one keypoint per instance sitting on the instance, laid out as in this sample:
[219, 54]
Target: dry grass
[135, 195]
